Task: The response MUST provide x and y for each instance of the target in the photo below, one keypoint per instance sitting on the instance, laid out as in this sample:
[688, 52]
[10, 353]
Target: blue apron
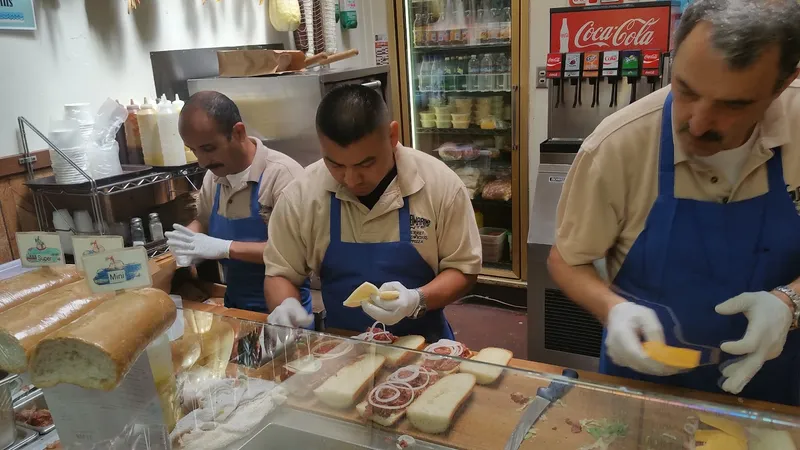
[346, 265]
[245, 280]
[693, 255]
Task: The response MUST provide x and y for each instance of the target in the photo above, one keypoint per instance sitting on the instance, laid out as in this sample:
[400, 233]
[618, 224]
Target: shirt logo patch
[419, 229]
[266, 212]
[795, 195]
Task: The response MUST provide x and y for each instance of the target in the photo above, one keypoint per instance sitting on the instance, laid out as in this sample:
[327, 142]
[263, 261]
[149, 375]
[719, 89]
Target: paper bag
[254, 63]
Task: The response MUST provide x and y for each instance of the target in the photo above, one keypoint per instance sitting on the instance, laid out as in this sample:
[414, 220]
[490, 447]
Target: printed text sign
[117, 269]
[91, 245]
[38, 249]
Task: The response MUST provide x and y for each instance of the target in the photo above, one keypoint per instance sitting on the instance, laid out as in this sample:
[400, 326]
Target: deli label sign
[612, 28]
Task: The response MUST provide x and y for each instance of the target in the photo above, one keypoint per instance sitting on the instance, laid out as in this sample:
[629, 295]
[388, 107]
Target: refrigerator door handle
[514, 114]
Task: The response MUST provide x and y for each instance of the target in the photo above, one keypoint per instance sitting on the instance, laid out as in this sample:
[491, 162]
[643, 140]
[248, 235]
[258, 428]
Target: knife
[544, 398]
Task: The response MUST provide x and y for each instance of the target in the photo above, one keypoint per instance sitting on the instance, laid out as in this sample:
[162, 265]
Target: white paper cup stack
[66, 136]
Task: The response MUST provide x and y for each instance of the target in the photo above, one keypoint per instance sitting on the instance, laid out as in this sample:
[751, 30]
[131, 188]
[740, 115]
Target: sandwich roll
[186, 351]
[21, 288]
[342, 390]
[403, 350]
[497, 359]
[434, 410]
[97, 350]
[21, 329]
[387, 402]
[442, 354]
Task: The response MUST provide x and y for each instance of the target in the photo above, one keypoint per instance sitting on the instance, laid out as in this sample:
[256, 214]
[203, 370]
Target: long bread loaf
[97, 350]
[17, 290]
[24, 327]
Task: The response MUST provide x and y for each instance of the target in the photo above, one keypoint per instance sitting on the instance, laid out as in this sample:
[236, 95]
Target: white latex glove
[290, 314]
[769, 319]
[186, 261]
[627, 324]
[392, 311]
[185, 243]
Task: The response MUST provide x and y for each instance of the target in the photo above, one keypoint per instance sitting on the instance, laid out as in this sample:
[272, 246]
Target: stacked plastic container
[172, 147]
[66, 135]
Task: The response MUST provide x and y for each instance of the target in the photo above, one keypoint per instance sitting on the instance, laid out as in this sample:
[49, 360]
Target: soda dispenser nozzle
[651, 67]
[555, 72]
[611, 71]
[572, 71]
[632, 70]
[591, 71]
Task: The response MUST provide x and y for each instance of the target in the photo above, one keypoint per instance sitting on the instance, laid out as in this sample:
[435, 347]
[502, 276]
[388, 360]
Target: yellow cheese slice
[726, 425]
[682, 358]
[365, 291]
[718, 440]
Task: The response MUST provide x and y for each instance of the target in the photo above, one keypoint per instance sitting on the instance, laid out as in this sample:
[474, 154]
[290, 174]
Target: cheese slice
[682, 358]
[725, 425]
[364, 293]
[718, 440]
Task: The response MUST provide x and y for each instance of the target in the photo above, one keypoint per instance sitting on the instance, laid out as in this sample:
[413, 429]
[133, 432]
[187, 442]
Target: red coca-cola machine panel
[620, 27]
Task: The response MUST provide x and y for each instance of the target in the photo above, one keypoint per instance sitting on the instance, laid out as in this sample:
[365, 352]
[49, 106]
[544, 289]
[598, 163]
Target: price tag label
[38, 249]
[117, 269]
[92, 245]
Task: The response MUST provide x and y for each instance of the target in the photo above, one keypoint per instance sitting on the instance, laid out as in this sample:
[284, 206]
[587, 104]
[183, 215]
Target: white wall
[85, 51]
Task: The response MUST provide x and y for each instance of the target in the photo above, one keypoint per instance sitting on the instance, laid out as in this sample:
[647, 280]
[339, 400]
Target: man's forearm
[447, 287]
[196, 226]
[252, 252]
[795, 286]
[583, 285]
[278, 289]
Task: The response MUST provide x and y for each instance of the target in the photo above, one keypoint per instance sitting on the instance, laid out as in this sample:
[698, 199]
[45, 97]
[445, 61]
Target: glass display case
[241, 384]
[460, 93]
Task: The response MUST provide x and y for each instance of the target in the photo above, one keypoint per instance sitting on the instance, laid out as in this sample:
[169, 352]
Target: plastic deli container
[493, 241]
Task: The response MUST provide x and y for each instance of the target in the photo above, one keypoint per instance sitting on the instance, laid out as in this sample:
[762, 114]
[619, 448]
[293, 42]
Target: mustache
[708, 136]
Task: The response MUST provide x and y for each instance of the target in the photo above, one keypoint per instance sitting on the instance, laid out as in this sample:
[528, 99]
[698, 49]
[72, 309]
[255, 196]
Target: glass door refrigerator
[461, 95]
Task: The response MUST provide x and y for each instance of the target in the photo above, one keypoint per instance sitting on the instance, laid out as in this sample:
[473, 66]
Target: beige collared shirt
[613, 182]
[275, 169]
[443, 227]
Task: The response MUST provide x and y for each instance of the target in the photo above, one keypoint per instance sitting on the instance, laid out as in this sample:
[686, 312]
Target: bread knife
[544, 398]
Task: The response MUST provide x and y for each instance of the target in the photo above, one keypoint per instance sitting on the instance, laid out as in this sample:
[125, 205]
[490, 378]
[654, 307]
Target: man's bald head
[211, 126]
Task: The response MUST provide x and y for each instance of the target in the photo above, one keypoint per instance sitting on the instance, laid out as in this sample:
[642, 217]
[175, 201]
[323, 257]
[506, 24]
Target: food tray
[492, 240]
[24, 437]
[33, 400]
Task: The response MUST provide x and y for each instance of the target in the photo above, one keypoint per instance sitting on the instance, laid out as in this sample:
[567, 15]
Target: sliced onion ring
[338, 350]
[374, 400]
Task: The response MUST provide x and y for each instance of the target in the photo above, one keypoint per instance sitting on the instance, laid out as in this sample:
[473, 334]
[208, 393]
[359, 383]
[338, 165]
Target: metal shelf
[119, 186]
[464, 131]
[442, 91]
[462, 48]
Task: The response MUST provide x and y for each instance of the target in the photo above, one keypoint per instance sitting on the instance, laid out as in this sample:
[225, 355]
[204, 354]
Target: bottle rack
[136, 177]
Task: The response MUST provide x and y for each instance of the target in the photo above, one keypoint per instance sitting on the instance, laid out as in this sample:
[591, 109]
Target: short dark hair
[349, 113]
[743, 29]
[221, 109]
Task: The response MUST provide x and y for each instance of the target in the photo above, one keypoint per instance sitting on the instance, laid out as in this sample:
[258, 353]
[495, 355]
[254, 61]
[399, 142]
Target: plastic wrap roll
[22, 328]
[97, 350]
[17, 290]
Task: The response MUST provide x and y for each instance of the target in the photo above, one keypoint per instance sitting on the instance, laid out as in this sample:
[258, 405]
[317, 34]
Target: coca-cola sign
[616, 28]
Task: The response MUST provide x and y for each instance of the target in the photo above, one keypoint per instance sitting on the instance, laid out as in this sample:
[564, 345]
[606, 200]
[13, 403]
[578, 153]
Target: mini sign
[92, 245]
[38, 249]
[117, 269]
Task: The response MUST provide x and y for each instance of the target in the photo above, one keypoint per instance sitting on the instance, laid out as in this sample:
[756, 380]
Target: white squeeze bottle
[148, 129]
[171, 142]
[178, 105]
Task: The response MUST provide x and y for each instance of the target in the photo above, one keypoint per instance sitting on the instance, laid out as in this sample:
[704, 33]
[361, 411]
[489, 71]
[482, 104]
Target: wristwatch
[422, 306]
[795, 299]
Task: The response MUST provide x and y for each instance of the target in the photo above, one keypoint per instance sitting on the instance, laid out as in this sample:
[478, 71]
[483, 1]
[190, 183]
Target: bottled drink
[430, 30]
[487, 67]
[505, 30]
[424, 76]
[473, 73]
[442, 33]
[460, 23]
[437, 74]
[448, 74]
[500, 71]
[419, 31]
[494, 25]
[461, 74]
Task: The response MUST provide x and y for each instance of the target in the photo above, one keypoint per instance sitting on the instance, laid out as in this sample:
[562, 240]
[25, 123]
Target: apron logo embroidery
[418, 229]
[795, 196]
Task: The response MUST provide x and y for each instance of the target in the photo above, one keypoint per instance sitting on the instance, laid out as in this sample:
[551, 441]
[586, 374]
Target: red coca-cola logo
[632, 32]
[605, 29]
[650, 57]
[553, 60]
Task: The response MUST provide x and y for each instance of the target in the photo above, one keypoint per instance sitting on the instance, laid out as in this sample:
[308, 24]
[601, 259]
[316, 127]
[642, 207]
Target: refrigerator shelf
[462, 48]
[442, 91]
[464, 131]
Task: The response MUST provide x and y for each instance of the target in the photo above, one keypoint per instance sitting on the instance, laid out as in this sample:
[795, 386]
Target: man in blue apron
[244, 181]
[692, 196]
[372, 210]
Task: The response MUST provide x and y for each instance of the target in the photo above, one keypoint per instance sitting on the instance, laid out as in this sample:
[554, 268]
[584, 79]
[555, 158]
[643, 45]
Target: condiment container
[172, 148]
[148, 128]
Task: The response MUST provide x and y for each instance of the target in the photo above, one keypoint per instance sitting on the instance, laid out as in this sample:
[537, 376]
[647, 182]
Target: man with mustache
[242, 185]
[690, 197]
